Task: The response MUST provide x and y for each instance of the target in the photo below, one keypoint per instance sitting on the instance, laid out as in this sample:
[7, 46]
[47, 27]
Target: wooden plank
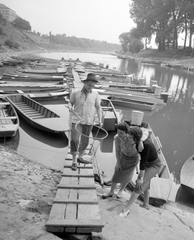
[77, 175]
[88, 230]
[79, 166]
[4, 103]
[69, 181]
[85, 171]
[85, 194]
[77, 186]
[86, 181]
[75, 201]
[57, 212]
[88, 211]
[8, 118]
[160, 188]
[77, 223]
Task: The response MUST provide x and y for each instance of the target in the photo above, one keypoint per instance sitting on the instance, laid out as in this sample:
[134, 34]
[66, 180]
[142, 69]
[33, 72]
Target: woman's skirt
[128, 165]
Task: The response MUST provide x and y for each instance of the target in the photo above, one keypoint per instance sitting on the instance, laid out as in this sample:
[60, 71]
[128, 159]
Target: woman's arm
[117, 152]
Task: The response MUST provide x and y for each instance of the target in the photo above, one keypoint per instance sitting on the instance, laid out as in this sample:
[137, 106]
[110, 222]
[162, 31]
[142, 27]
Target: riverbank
[168, 58]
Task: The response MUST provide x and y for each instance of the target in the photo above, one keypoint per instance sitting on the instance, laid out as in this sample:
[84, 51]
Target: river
[174, 123]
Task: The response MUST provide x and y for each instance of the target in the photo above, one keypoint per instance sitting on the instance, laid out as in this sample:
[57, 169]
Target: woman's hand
[140, 146]
[139, 183]
[118, 166]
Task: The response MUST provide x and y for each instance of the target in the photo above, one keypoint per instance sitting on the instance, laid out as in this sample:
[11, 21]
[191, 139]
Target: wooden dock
[75, 208]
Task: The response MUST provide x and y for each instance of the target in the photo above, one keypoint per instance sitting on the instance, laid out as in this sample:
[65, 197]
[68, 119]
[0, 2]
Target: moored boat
[37, 115]
[130, 103]
[58, 71]
[187, 174]
[31, 77]
[9, 120]
[48, 95]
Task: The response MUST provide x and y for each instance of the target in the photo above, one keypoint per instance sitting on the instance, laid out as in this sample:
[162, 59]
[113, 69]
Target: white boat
[9, 120]
[187, 174]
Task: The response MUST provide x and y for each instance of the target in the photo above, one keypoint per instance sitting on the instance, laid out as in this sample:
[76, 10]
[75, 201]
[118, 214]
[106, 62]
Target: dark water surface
[174, 123]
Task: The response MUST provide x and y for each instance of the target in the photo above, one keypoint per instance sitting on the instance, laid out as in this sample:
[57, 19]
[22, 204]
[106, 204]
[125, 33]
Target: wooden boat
[31, 77]
[139, 96]
[135, 104]
[58, 71]
[48, 95]
[12, 62]
[187, 174]
[37, 115]
[132, 87]
[31, 89]
[9, 120]
[161, 184]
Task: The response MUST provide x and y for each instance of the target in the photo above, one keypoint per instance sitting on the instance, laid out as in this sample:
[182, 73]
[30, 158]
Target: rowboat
[139, 96]
[9, 120]
[12, 62]
[135, 104]
[20, 87]
[58, 71]
[48, 95]
[161, 184]
[37, 115]
[31, 77]
[187, 174]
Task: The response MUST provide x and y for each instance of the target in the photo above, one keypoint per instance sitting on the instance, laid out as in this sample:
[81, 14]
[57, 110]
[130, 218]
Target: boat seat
[31, 95]
[106, 108]
[19, 91]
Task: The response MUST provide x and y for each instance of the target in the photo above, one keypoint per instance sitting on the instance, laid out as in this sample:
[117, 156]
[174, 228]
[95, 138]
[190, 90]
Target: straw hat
[91, 77]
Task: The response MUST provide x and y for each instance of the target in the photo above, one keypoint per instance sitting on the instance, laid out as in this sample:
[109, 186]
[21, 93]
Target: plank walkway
[75, 207]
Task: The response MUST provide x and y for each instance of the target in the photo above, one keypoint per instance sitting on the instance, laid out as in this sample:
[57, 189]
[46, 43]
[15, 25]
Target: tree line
[167, 20]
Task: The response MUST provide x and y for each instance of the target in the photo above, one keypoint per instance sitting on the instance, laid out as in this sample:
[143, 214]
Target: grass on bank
[171, 54]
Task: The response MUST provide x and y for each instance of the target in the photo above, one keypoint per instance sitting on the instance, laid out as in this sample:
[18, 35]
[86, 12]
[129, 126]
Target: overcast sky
[93, 19]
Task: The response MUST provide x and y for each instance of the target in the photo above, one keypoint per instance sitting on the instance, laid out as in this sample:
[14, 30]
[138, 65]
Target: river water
[174, 123]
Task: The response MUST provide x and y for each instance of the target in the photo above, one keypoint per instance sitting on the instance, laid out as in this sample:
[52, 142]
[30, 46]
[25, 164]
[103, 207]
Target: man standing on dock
[84, 104]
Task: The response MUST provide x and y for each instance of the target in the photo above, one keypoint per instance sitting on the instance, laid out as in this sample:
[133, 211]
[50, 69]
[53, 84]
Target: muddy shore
[28, 189]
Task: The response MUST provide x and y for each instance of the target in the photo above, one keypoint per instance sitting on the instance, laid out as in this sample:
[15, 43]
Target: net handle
[95, 138]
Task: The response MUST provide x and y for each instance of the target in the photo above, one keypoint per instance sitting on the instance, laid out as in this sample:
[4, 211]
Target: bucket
[157, 90]
[137, 117]
[129, 78]
[164, 96]
[153, 82]
[142, 81]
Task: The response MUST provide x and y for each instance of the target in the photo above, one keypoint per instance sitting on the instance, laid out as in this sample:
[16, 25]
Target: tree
[131, 41]
[21, 24]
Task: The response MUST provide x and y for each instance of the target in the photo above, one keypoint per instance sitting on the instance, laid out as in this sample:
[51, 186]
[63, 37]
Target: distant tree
[3, 21]
[21, 24]
[131, 41]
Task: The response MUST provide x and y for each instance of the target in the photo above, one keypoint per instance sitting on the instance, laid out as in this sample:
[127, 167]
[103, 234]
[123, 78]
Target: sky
[102, 20]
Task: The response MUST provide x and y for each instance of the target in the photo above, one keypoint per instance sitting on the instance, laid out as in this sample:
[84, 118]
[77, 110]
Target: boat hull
[38, 115]
[9, 120]
[186, 175]
[148, 106]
